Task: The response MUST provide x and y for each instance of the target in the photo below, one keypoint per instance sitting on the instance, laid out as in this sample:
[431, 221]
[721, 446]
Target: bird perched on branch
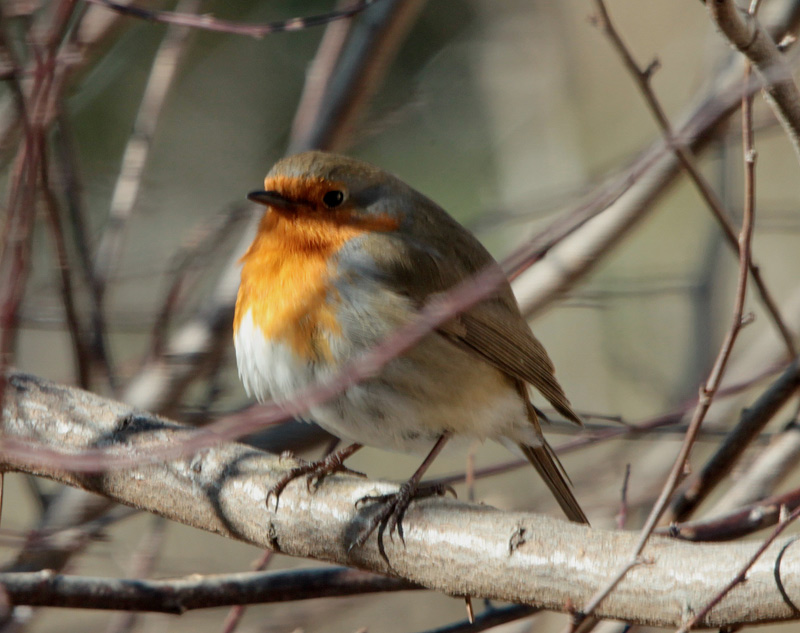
[346, 254]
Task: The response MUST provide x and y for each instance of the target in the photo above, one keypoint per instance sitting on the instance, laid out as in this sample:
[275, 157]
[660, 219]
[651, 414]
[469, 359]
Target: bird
[344, 255]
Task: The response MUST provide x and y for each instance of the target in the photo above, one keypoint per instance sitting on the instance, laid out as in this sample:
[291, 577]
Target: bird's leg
[332, 463]
[396, 504]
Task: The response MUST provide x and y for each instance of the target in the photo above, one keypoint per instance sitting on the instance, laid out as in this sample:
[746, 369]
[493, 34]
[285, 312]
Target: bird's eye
[333, 198]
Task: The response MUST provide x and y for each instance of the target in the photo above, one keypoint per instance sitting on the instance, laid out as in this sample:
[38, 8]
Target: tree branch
[525, 558]
[178, 595]
[751, 423]
[745, 32]
[209, 23]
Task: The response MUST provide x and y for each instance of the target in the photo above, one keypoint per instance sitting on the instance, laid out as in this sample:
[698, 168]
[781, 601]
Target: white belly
[433, 389]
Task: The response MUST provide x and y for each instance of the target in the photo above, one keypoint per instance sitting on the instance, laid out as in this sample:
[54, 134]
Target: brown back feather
[494, 330]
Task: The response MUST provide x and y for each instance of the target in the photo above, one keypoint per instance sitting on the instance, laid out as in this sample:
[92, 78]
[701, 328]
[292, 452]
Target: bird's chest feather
[286, 311]
[304, 310]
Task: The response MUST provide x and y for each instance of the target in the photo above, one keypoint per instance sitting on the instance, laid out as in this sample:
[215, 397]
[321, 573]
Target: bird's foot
[315, 472]
[393, 509]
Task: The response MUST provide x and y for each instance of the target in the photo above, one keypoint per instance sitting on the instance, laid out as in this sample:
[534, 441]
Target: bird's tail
[546, 463]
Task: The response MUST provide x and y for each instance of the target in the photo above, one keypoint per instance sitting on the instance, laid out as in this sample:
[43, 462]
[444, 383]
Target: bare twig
[137, 150]
[743, 30]
[573, 245]
[712, 383]
[194, 592]
[75, 327]
[15, 250]
[487, 620]
[684, 155]
[193, 255]
[767, 470]
[318, 86]
[741, 576]
[750, 425]
[66, 534]
[67, 171]
[622, 515]
[237, 611]
[709, 390]
[436, 312]
[336, 94]
[208, 23]
[141, 566]
[736, 523]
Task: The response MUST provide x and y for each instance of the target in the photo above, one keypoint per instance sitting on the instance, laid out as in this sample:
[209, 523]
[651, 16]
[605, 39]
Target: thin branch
[622, 515]
[46, 589]
[141, 565]
[745, 432]
[236, 612]
[134, 159]
[321, 76]
[736, 523]
[776, 461]
[67, 176]
[752, 422]
[741, 576]
[687, 161]
[208, 23]
[712, 384]
[743, 30]
[193, 255]
[572, 246]
[487, 620]
[76, 329]
[66, 532]
[15, 251]
[337, 90]
[437, 311]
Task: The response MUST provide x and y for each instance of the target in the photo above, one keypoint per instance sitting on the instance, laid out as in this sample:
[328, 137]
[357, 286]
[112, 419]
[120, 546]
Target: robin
[344, 255]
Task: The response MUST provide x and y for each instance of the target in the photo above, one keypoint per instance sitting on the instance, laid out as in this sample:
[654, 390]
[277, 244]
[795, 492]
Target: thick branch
[523, 558]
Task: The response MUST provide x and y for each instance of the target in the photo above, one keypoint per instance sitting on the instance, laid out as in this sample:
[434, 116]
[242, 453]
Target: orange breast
[286, 282]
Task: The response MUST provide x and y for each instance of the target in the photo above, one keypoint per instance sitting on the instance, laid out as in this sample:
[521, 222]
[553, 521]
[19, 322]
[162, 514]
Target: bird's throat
[286, 281]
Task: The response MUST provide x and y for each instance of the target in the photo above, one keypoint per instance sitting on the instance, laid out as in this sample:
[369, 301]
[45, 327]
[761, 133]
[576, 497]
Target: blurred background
[515, 116]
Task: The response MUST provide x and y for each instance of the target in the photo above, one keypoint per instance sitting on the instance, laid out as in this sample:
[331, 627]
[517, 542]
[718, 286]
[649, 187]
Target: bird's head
[332, 190]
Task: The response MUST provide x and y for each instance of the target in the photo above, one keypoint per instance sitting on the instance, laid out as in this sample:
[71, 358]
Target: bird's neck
[286, 279]
[286, 276]
[309, 234]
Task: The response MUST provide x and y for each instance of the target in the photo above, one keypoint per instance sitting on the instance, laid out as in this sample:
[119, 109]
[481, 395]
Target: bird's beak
[271, 199]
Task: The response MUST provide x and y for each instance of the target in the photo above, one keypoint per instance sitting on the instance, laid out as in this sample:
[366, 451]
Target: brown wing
[494, 329]
[500, 335]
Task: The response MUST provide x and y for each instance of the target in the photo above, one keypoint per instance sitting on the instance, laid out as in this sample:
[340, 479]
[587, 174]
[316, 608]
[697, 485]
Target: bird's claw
[393, 510]
[313, 480]
[315, 471]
